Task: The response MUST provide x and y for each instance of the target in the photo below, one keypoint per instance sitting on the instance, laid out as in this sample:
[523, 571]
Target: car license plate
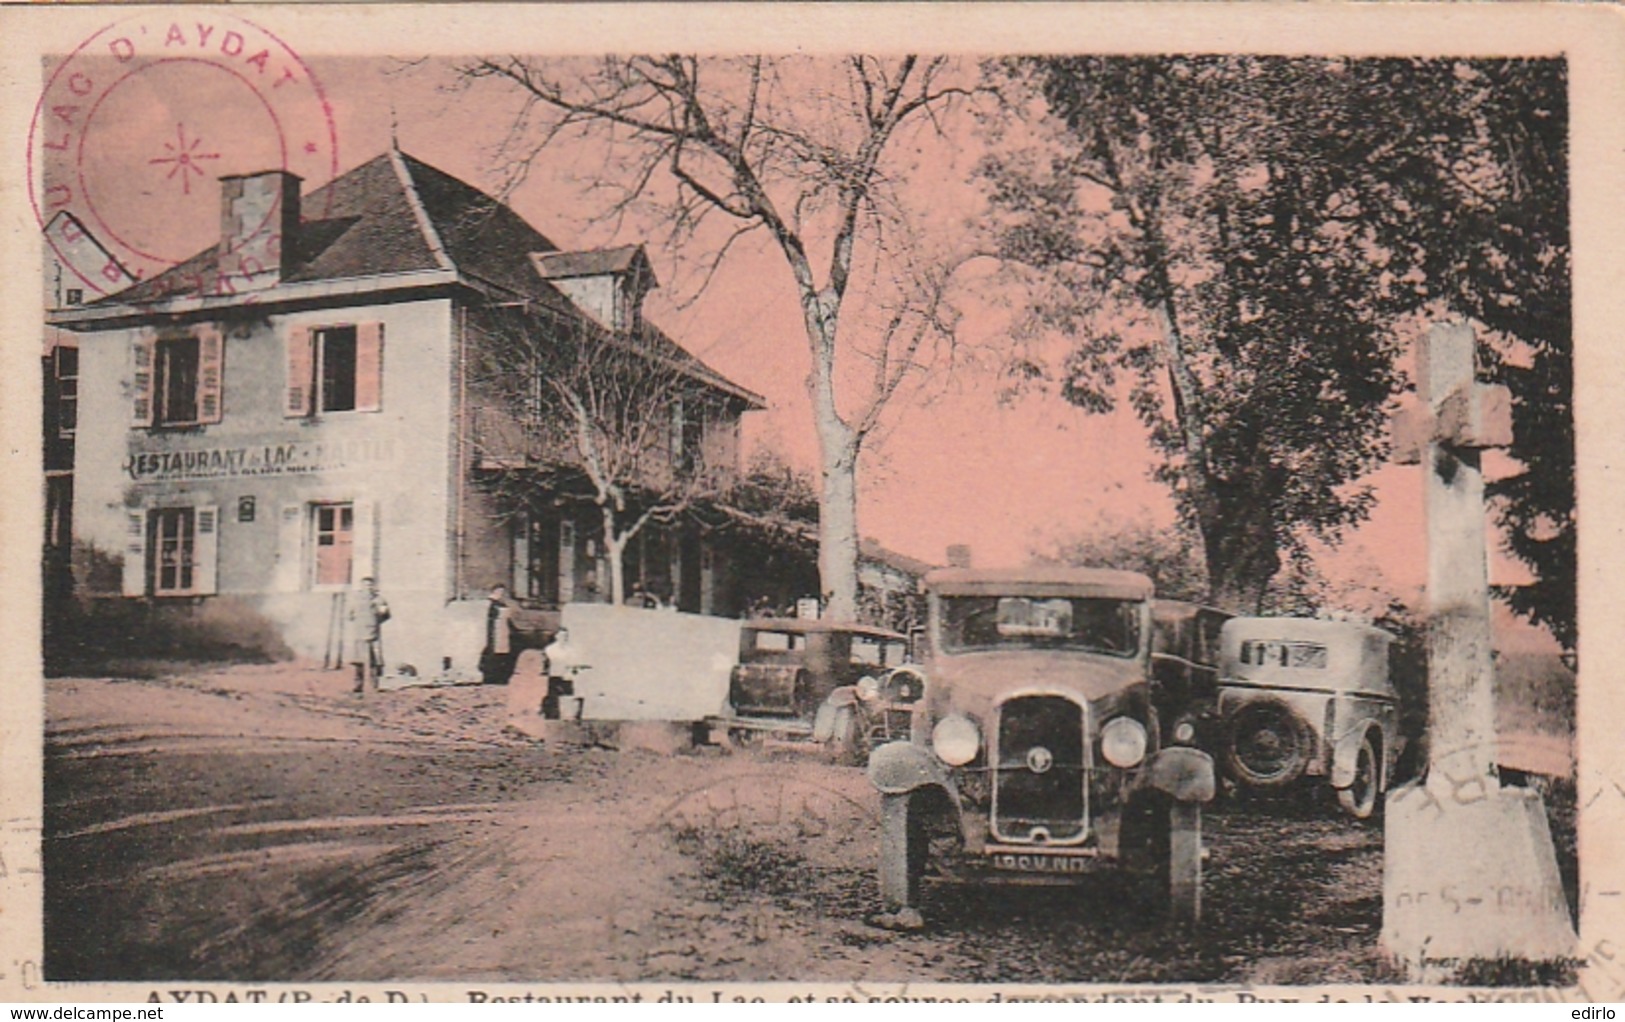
[1020, 863]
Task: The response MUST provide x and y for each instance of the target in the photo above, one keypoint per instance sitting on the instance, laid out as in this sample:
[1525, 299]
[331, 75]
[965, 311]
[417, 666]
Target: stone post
[1469, 868]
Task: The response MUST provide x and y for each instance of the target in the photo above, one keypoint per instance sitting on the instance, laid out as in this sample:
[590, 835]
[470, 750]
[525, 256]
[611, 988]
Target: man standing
[497, 659]
[367, 615]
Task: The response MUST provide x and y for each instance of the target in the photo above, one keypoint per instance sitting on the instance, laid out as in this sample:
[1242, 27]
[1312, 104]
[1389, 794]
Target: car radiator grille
[1039, 781]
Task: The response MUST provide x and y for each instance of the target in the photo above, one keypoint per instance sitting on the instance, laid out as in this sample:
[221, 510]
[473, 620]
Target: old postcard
[854, 503]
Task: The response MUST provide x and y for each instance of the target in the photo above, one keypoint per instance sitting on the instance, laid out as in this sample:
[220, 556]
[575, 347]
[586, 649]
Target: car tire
[1267, 745]
[903, 845]
[1362, 798]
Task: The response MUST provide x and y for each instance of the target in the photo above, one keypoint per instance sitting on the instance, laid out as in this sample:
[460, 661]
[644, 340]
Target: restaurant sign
[300, 457]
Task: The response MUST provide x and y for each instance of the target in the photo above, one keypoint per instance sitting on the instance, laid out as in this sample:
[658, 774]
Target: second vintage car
[1304, 700]
[789, 668]
[1038, 752]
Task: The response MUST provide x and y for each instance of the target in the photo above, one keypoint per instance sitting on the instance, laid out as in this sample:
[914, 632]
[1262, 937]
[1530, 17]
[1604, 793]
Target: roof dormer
[608, 284]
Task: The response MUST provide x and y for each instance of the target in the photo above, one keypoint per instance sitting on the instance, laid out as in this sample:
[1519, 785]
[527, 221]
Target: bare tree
[806, 150]
[617, 419]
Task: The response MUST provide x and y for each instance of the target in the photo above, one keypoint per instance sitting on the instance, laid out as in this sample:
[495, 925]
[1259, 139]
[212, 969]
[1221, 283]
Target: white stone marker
[1469, 870]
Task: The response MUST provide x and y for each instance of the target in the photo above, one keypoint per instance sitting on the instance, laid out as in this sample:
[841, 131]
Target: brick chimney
[259, 214]
[959, 555]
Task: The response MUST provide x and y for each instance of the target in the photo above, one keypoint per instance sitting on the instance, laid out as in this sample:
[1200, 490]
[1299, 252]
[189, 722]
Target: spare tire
[1267, 744]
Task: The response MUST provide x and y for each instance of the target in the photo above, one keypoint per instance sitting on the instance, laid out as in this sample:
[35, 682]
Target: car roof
[1176, 610]
[806, 625]
[1040, 580]
[1312, 628]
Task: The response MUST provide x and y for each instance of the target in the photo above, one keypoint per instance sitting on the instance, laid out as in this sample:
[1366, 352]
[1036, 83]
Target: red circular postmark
[138, 123]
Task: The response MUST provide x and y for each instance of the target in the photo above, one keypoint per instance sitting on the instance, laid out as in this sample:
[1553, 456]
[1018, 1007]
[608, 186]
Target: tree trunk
[838, 524]
[838, 446]
[1241, 556]
[614, 549]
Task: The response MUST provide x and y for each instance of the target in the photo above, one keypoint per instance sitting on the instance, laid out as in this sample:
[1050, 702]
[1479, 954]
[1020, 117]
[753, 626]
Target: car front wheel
[1360, 799]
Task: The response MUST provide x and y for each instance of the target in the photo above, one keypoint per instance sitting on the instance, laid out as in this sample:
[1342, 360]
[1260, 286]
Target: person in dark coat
[498, 657]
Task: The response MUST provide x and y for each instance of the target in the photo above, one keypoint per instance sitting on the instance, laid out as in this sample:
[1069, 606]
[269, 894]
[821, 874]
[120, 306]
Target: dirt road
[263, 824]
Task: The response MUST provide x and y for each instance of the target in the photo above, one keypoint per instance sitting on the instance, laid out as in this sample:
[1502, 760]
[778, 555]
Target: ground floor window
[174, 545]
[172, 551]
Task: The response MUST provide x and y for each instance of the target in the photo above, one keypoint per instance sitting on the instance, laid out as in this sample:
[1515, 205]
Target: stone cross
[1456, 419]
[1469, 870]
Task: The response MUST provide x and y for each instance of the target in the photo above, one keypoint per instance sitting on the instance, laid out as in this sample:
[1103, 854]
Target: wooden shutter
[211, 353]
[290, 549]
[369, 367]
[301, 372]
[364, 562]
[141, 357]
[205, 549]
[135, 553]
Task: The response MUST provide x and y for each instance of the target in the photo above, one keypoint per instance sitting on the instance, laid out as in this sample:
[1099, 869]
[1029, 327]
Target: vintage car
[790, 668]
[1038, 751]
[1308, 698]
[1185, 672]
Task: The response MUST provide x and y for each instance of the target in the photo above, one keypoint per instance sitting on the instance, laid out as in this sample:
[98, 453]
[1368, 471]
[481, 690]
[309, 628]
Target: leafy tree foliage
[1169, 557]
[1234, 240]
[1494, 240]
[1223, 255]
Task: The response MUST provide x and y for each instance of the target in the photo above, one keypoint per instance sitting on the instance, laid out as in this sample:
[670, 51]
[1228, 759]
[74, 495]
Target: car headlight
[1122, 742]
[955, 739]
[904, 685]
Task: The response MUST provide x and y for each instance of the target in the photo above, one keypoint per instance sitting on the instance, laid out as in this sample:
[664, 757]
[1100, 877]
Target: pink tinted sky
[959, 467]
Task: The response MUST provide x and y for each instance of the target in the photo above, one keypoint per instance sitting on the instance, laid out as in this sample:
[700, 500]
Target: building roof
[871, 550]
[396, 214]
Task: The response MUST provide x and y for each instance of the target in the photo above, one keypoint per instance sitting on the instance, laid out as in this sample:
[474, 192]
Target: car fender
[829, 709]
[903, 768]
[1346, 754]
[898, 768]
[1184, 773]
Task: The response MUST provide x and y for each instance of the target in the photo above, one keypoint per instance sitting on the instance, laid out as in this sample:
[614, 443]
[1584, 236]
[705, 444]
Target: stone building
[300, 405]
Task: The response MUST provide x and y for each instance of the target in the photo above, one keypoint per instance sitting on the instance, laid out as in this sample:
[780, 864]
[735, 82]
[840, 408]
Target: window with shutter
[335, 369]
[66, 359]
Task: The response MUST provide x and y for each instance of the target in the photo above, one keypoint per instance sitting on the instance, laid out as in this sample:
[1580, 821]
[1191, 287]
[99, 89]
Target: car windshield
[1091, 624]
